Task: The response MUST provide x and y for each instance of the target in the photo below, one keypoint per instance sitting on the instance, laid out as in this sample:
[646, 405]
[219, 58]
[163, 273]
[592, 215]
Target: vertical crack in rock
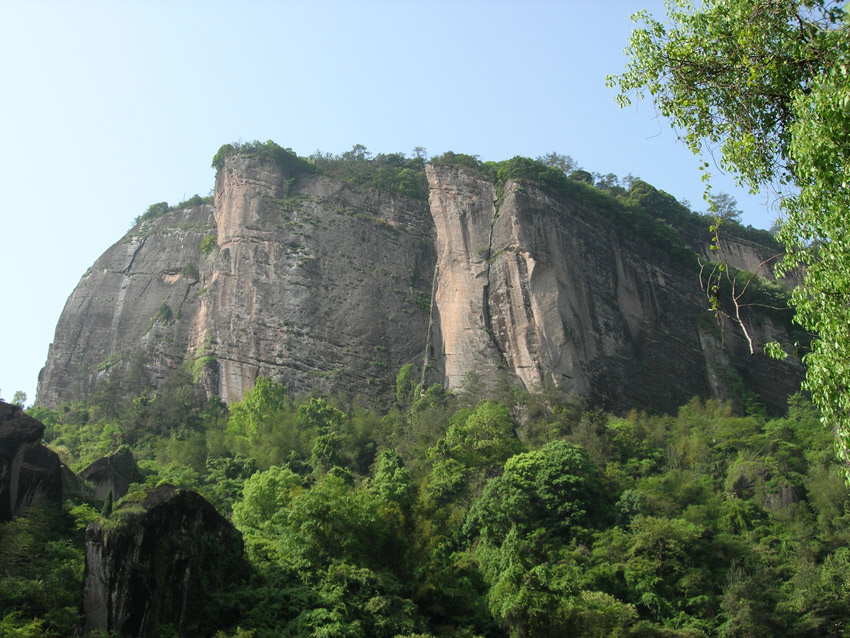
[428, 353]
[135, 253]
[485, 302]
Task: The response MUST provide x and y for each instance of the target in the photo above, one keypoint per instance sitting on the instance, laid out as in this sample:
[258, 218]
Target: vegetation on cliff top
[636, 208]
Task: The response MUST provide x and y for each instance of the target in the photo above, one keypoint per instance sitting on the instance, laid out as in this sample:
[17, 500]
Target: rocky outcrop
[138, 297]
[165, 559]
[310, 281]
[113, 473]
[548, 291]
[29, 472]
[315, 283]
[40, 478]
[320, 284]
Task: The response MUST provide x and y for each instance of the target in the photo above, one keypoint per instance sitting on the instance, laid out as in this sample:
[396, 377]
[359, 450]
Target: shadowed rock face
[112, 473]
[164, 560]
[29, 472]
[319, 284]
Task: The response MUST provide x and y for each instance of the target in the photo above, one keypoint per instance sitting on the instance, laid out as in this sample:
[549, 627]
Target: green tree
[267, 400]
[766, 83]
[724, 207]
[19, 398]
[265, 496]
[563, 163]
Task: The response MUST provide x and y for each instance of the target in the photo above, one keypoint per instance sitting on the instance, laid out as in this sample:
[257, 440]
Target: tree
[765, 82]
[19, 398]
[564, 163]
[723, 206]
[265, 496]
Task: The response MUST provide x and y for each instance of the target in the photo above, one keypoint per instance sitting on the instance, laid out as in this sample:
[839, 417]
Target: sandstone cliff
[321, 284]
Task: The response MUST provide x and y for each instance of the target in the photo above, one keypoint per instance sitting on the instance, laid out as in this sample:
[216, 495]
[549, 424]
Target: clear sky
[108, 107]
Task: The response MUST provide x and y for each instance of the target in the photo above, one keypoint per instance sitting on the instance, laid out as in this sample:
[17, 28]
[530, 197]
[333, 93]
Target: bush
[208, 244]
[285, 158]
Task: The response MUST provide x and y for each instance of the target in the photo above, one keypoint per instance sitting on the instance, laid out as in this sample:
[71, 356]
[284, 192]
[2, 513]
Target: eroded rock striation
[166, 559]
[318, 283]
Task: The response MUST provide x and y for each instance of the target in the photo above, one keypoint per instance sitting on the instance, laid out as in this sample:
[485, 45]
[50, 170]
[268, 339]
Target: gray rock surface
[112, 473]
[322, 285]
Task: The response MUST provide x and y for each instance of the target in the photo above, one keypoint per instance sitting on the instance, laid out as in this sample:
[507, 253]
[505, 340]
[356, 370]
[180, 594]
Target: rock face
[29, 471]
[113, 473]
[165, 560]
[550, 291]
[320, 284]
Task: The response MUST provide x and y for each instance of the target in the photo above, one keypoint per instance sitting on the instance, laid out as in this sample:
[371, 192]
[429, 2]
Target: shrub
[208, 244]
[285, 158]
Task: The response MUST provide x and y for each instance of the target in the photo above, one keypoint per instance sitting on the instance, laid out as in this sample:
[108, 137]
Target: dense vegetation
[463, 515]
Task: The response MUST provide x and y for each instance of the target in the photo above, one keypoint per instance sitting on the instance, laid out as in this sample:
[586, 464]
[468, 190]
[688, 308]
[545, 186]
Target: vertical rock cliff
[318, 283]
[315, 283]
[549, 291]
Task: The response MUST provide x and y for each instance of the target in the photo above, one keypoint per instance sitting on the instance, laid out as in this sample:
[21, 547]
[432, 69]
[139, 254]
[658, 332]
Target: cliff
[318, 283]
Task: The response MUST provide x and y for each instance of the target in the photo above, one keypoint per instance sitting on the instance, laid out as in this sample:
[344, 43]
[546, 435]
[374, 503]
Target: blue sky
[108, 107]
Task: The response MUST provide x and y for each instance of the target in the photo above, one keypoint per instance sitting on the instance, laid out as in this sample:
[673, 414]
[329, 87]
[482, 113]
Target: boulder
[20, 438]
[113, 473]
[40, 478]
[165, 558]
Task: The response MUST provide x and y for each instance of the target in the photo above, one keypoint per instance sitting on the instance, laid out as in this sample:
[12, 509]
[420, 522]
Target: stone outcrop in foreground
[29, 472]
[164, 559]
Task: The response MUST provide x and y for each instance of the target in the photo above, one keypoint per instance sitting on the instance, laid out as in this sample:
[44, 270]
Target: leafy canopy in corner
[767, 83]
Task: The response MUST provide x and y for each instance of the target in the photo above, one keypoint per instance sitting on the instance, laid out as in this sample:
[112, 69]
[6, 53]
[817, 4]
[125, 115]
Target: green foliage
[266, 497]
[190, 272]
[450, 158]
[41, 572]
[285, 158]
[766, 83]
[392, 173]
[564, 163]
[163, 315]
[701, 523]
[19, 399]
[266, 401]
[194, 201]
[405, 386]
[556, 489]
[154, 210]
[484, 438]
[208, 244]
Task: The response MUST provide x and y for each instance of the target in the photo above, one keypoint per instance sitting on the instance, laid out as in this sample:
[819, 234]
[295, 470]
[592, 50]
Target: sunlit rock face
[320, 284]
